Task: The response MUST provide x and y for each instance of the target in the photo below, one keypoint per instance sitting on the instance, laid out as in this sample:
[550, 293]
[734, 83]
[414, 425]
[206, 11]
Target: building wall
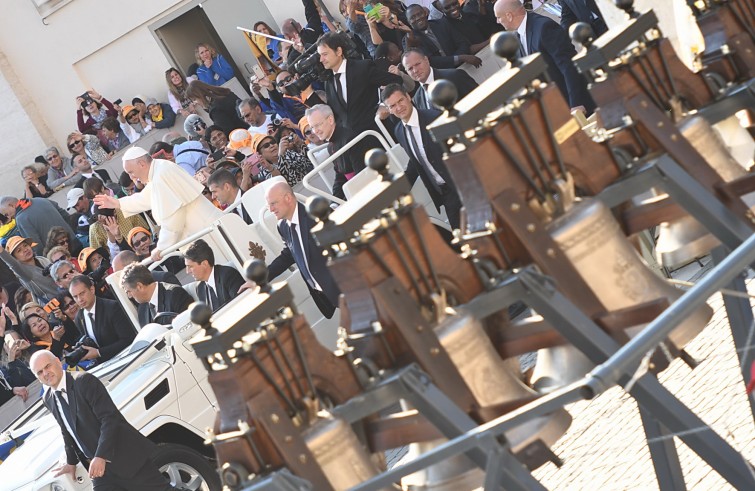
[20, 141]
[100, 44]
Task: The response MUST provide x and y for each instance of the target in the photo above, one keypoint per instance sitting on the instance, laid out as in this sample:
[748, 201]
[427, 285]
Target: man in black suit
[301, 248]
[124, 258]
[573, 11]
[426, 156]
[323, 123]
[154, 298]
[353, 90]
[103, 320]
[539, 34]
[417, 65]
[82, 164]
[223, 186]
[218, 284]
[95, 433]
[445, 47]
[465, 21]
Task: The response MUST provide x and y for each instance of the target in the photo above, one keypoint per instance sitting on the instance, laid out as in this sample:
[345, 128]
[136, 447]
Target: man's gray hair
[56, 267]
[8, 200]
[50, 150]
[323, 109]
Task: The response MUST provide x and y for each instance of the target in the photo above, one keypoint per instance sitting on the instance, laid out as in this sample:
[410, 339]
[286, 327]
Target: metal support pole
[414, 386]
[741, 322]
[663, 453]
[665, 173]
[630, 354]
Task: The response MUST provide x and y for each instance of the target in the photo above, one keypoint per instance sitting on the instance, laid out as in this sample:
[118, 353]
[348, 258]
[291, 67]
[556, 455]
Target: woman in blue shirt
[213, 68]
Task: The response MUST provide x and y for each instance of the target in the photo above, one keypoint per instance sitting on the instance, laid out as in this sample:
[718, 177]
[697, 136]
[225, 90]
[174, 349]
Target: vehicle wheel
[186, 468]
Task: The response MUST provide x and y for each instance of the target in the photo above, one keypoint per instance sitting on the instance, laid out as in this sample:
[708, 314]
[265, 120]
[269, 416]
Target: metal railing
[329, 161]
[603, 377]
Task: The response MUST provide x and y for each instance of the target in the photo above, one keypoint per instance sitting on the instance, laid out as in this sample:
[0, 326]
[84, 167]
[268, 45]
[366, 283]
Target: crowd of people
[324, 88]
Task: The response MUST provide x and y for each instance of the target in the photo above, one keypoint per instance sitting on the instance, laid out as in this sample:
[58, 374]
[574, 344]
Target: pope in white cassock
[174, 197]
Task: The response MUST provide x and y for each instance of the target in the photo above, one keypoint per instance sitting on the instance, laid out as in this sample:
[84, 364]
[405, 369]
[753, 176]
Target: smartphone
[117, 102]
[216, 156]
[258, 72]
[51, 306]
[254, 159]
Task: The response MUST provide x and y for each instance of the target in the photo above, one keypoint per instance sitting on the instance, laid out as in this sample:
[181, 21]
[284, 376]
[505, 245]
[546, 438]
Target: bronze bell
[495, 382]
[342, 458]
[453, 474]
[684, 240]
[592, 240]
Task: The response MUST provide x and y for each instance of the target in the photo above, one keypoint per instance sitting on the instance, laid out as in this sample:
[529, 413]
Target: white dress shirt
[522, 30]
[88, 321]
[153, 301]
[240, 208]
[414, 127]
[342, 70]
[64, 394]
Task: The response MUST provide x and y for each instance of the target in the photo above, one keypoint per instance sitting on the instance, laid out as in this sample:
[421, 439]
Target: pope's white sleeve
[137, 202]
[172, 228]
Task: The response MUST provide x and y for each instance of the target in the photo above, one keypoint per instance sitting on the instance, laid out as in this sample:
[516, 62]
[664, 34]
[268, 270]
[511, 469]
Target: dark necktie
[431, 36]
[299, 253]
[212, 299]
[339, 90]
[522, 54]
[425, 98]
[152, 312]
[71, 422]
[426, 165]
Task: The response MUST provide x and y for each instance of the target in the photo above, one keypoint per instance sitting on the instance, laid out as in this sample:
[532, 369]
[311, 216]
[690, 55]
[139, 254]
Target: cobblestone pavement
[605, 447]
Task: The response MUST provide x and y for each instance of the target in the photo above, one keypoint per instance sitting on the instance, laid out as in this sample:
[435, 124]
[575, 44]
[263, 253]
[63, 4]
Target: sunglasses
[308, 131]
[267, 145]
[132, 114]
[73, 144]
[68, 305]
[285, 81]
[139, 242]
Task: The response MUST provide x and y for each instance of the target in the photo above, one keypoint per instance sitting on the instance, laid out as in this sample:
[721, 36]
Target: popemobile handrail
[599, 380]
[329, 161]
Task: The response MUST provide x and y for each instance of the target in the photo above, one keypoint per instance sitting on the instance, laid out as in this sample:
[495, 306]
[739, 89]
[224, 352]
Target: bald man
[539, 34]
[301, 248]
[174, 197]
[95, 432]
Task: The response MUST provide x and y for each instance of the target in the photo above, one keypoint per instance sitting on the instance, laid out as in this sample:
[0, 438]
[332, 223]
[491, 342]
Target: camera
[105, 212]
[99, 274]
[79, 351]
[277, 121]
[87, 99]
[309, 68]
